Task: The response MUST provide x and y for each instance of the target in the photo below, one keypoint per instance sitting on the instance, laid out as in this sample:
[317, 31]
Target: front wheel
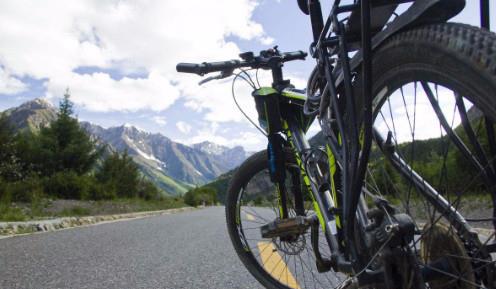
[251, 203]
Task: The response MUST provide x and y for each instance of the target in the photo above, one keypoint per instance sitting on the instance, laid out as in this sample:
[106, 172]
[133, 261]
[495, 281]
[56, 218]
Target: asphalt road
[184, 250]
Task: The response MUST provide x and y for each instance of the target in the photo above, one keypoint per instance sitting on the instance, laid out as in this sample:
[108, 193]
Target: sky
[118, 59]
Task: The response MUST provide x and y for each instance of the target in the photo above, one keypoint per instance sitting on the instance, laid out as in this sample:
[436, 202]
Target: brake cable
[237, 104]
[251, 82]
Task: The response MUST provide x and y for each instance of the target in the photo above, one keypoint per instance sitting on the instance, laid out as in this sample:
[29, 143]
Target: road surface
[184, 250]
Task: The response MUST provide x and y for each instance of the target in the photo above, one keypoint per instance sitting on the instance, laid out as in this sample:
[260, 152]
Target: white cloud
[267, 40]
[183, 127]
[160, 120]
[10, 84]
[50, 39]
[251, 140]
[99, 92]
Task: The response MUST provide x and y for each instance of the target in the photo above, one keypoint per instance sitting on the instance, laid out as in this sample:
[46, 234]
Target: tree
[64, 145]
[147, 190]
[10, 167]
[119, 174]
[201, 196]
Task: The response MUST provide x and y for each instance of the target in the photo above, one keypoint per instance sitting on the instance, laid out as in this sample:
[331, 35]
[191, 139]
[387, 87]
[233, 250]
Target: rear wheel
[435, 106]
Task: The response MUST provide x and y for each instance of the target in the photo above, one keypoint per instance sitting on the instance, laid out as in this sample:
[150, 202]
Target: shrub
[8, 214]
[201, 196]
[98, 191]
[69, 185]
[27, 190]
[119, 175]
[148, 191]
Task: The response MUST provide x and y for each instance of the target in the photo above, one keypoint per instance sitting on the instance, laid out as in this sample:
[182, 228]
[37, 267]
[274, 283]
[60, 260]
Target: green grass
[75, 211]
[170, 185]
[140, 205]
[40, 209]
[12, 214]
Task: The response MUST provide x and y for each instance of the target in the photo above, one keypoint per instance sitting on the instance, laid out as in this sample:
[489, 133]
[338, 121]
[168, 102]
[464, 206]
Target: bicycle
[364, 209]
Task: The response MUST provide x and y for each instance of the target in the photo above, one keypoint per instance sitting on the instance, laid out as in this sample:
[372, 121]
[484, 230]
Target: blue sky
[118, 59]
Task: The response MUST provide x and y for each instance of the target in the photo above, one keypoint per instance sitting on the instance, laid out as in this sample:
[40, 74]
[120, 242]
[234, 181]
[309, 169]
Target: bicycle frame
[349, 141]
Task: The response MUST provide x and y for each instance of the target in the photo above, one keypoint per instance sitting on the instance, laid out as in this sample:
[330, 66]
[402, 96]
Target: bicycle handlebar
[266, 60]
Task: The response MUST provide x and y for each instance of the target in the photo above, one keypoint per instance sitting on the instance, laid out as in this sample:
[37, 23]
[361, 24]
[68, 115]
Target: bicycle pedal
[285, 227]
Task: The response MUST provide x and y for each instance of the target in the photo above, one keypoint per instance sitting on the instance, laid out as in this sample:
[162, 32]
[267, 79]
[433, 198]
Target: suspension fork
[267, 104]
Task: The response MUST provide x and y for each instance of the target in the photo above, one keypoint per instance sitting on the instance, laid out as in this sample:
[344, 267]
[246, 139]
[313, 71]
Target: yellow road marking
[250, 217]
[275, 265]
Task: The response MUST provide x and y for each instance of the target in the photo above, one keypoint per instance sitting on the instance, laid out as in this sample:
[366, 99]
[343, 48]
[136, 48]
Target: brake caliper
[397, 229]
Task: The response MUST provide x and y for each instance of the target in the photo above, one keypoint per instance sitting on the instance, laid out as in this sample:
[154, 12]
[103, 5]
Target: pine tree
[64, 145]
[120, 175]
[10, 168]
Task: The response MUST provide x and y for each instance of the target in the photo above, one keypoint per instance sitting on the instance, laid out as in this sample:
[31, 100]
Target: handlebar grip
[288, 56]
[207, 67]
[189, 68]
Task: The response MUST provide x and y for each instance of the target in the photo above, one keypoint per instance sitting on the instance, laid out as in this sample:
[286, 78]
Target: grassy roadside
[46, 208]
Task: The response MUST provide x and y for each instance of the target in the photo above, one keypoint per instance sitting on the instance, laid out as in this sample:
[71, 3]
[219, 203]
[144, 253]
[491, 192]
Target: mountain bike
[399, 188]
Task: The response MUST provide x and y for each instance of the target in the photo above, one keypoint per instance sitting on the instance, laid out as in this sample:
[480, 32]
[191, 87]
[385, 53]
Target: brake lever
[223, 74]
[205, 80]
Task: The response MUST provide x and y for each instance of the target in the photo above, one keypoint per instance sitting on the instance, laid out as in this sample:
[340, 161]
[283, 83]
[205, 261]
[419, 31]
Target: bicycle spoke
[457, 278]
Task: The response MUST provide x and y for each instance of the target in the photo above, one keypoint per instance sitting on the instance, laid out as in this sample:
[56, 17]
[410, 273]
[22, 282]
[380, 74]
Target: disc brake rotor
[441, 244]
[291, 248]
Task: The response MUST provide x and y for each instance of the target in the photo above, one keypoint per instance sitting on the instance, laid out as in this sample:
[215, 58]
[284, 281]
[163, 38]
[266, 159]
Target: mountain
[159, 156]
[172, 166]
[230, 157]
[32, 115]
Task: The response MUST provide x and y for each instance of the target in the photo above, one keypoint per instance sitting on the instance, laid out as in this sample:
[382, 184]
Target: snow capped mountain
[231, 157]
[210, 148]
[157, 153]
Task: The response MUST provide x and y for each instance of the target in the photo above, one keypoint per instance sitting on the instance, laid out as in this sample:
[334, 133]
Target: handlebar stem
[277, 77]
